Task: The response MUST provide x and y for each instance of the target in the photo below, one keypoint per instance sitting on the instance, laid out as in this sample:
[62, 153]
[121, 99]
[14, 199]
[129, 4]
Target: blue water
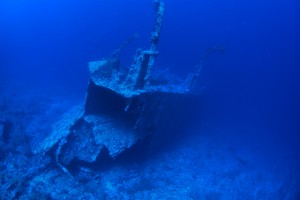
[252, 89]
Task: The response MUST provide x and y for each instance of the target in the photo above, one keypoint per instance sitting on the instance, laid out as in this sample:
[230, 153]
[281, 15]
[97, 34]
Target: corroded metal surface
[120, 108]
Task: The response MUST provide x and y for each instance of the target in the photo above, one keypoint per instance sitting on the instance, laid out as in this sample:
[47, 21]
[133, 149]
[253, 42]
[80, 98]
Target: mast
[159, 8]
[140, 71]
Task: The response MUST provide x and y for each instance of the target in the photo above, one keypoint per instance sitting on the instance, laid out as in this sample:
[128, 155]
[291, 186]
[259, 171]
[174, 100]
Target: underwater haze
[245, 143]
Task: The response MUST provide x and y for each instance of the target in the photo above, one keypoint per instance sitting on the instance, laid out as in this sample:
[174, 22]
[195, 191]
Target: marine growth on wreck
[139, 133]
[121, 109]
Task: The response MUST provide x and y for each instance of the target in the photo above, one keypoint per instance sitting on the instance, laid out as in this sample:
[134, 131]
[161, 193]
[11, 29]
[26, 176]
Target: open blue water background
[252, 89]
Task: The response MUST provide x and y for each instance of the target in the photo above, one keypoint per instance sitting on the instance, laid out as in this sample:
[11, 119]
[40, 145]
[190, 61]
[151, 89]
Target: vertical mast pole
[159, 8]
[139, 73]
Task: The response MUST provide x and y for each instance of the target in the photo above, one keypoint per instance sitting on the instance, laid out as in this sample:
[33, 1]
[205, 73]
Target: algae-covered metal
[120, 108]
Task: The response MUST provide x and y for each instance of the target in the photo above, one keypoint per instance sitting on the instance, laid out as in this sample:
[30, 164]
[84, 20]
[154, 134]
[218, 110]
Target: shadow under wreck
[122, 109]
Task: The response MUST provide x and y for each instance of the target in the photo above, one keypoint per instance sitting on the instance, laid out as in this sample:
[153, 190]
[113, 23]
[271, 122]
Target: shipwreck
[122, 109]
